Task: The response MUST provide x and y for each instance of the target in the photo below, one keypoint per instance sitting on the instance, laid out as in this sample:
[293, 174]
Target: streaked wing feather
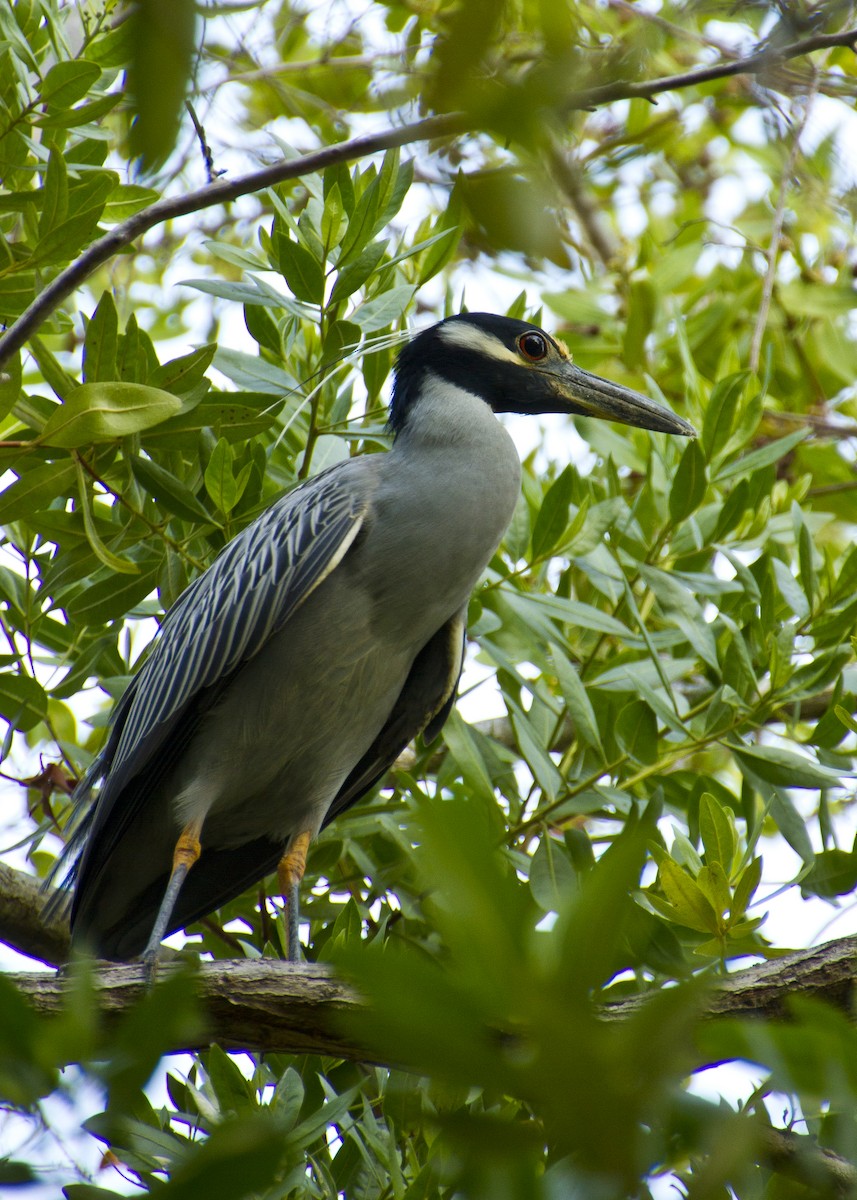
[221, 621]
[249, 592]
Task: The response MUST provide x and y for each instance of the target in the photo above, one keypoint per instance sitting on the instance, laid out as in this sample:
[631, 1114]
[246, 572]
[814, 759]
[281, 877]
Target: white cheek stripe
[471, 337]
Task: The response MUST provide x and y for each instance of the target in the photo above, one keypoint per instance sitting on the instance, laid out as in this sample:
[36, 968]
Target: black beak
[576, 391]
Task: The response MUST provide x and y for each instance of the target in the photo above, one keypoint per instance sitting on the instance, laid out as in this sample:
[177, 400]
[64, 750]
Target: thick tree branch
[765, 990]
[800, 1158]
[282, 1007]
[223, 191]
[22, 925]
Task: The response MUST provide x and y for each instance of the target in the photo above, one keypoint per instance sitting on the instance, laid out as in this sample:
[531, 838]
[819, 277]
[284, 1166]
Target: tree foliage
[670, 624]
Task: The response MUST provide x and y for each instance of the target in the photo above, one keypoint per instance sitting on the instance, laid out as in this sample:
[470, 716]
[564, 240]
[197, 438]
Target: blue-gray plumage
[326, 636]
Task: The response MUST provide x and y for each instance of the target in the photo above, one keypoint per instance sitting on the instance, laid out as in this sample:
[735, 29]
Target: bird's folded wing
[424, 703]
[220, 622]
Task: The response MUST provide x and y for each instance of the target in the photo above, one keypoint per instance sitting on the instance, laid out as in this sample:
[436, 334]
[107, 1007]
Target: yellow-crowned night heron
[327, 635]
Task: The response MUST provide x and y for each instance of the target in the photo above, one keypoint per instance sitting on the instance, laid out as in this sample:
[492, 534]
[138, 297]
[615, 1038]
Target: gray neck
[449, 417]
[450, 485]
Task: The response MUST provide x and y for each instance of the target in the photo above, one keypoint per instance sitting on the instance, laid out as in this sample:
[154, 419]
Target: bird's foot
[149, 962]
[293, 923]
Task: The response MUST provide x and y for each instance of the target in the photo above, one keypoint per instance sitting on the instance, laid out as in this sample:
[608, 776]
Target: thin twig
[753, 64]
[207, 157]
[570, 177]
[777, 229]
[820, 426]
[636, 13]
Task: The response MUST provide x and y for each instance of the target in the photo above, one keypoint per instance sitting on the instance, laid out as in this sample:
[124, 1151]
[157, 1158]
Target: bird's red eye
[533, 345]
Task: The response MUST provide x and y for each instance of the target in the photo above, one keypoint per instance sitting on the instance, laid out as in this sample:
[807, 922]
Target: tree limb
[222, 191]
[261, 1004]
[22, 925]
[799, 1157]
[765, 990]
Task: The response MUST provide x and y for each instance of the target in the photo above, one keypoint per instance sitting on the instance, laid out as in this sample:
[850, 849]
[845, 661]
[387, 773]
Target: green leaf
[110, 599]
[636, 732]
[690, 906]
[354, 274]
[101, 342]
[573, 612]
[791, 824]
[642, 307]
[68, 82]
[805, 299]
[551, 874]
[714, 885]
[23, 701]
[181, 375]
[332, 217]
[383, 310]
[745, 889]
[342, 337]
[36, 490]
[763, 457]
[219, 479]
[162, 47]
[576, 699]
[846, 718]
[720, 413]
[17, 291]
[544, 769]
[168, 490]
[55, 195]
[552, 518]
[790, 589]
[361, 224]
[127, 199]
[464, 748]
[101, 412]
[61, 242]
[125, 566]
[394, 181]
[834, 873]
[715, 829]
[784, 768]
[228, 417]
[10, 384]
[734, 507]
[301, 270]
[444, 248]
[689, 483]
[808, 578]
[72, 118]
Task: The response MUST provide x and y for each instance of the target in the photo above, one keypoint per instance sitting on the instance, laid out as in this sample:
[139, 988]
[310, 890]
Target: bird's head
[516, 367]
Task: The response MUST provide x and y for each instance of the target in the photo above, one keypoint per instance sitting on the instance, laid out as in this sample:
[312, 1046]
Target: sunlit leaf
[100, 412]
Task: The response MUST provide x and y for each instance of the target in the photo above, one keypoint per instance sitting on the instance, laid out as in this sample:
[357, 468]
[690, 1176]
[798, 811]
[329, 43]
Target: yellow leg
[186, 853]
[188, 848]
[290, 872]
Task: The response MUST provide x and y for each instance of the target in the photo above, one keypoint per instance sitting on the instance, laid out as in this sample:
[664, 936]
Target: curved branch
[443, 125]
[222, 191]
